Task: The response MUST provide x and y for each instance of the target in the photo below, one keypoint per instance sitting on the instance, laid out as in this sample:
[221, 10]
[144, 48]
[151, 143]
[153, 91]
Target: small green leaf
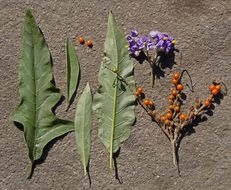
[72, 71]
[38, 93]
[83, 126]
[114, 102]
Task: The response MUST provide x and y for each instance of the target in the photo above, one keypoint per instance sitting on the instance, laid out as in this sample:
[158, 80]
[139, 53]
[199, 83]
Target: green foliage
[72, 71]
[83, 126]
[114, 102]
[38, 93]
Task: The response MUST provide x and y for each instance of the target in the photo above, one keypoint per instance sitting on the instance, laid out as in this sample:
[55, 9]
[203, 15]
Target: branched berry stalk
[173, 121]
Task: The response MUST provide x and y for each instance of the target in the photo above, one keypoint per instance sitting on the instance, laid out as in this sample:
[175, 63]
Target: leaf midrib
[114, 101]
[35, 89]
[84, 164]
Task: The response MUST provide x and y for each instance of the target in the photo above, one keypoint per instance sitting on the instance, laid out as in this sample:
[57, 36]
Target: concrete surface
[203, 31]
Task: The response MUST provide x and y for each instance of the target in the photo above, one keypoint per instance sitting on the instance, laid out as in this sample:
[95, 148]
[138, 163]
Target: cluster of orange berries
[89, 43]
[174, 107]
[167, 118]
[146, 102]
[215, 89]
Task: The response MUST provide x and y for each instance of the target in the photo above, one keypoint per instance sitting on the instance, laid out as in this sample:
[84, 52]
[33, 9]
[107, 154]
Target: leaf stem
[30, 169]
[85, 170]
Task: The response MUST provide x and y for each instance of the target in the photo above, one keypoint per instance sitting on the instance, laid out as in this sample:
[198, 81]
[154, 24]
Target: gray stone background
[203, 32]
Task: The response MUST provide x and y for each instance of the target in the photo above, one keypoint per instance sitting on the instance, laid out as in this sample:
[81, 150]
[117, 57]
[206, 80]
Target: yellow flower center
[165, 38]
[173, 41]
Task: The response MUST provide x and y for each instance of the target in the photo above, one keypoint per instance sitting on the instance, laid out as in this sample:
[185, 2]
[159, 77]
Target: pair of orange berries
[139, 91]
[148, 102]
[89, 43]
[208, 101]
[175, 78]
[175, 81]
[175, 108]
[166, 118]
[215, 89]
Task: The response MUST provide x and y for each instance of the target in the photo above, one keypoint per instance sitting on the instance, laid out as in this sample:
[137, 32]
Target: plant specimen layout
[114, 101]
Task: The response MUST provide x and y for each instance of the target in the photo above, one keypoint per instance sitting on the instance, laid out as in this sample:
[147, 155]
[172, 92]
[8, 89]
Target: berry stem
[174, 155]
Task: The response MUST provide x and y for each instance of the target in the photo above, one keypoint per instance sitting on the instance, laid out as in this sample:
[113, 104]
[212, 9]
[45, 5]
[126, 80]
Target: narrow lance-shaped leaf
[38, 93]
[114, 101]
[83, 126]
[72, 71]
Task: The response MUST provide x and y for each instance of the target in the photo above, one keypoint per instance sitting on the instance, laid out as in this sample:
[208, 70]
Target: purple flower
[133, 46]
[134, 33]
[164, 42]
[156, 35]
[138, 44]
[145, 43]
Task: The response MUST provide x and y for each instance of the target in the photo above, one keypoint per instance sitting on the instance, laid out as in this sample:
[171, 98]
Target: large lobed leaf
[38, 93]
[72, 71]
[114, 101]
[83, 126]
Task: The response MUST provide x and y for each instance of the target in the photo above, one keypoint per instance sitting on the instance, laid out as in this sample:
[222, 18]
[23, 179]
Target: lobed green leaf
[38, 92]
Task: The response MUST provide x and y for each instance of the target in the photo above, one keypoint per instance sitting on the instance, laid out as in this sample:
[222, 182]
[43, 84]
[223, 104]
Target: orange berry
[163, 118]
[140, 90]
[211, 87]
[179, 87]
[177, 109]
[176, 76]
[183, 116]
[146, 102]
[174, 92]
[171, 97]
[89, 43]
[206, 103]
[171, 107]
[174, 81]
[167, 122]
[137, 93]
[210, 99]
[170, 102]
[169, 115]
[81, 40]
[151, 103]
[218, 87]
[214, 92]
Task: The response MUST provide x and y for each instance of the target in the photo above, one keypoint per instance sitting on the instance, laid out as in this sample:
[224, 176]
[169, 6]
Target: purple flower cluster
[163, 42]
[137, 44]
[159, 41]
